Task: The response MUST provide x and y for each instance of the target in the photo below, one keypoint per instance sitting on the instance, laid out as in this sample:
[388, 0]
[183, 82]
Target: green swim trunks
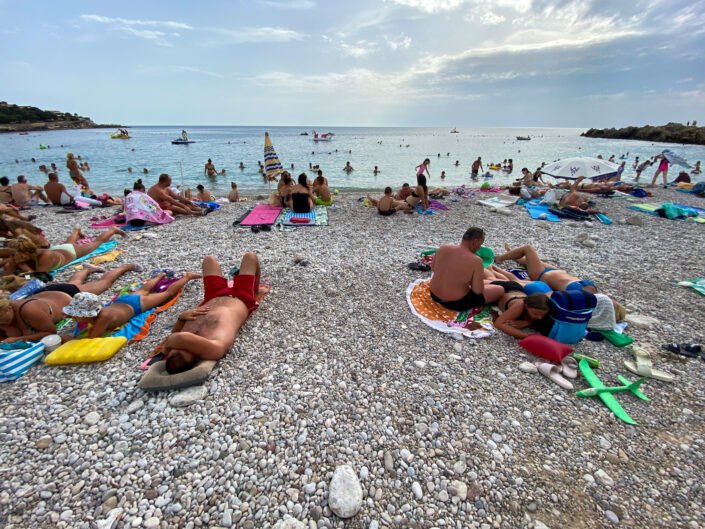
[321, 202]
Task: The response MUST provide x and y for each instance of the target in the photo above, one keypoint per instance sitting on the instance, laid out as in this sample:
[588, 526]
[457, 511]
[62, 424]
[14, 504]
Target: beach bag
[699, 189]
[16, 362]
[570, 312]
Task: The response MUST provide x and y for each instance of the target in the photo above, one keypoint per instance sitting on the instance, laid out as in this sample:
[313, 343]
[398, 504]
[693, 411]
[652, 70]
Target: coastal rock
[669, 133]
[289, 523]
[345, 492]
[188, 396]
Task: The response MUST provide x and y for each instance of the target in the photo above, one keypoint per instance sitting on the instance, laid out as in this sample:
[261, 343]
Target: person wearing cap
[208, 331]
[88, 308]
[457, 282]
[36, 316]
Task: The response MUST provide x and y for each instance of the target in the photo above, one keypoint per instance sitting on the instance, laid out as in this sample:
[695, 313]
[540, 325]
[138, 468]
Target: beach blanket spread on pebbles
[472, 324]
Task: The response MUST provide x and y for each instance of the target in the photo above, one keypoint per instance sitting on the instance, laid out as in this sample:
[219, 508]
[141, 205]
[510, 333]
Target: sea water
[396, 151]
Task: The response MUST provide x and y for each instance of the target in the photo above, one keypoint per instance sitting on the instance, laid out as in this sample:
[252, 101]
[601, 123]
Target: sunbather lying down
[35, 317]
[208, 331]
[88, 307]
[28, 257]
[519, 310]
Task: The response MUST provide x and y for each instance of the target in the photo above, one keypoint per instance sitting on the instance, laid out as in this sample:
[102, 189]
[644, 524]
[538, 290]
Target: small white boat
[455, 131]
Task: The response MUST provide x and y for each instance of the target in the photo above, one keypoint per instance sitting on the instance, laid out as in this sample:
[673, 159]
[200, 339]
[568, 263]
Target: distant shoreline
[41, 126]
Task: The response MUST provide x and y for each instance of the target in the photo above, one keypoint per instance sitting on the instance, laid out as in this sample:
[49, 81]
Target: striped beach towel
[15, 363]
[311, 216]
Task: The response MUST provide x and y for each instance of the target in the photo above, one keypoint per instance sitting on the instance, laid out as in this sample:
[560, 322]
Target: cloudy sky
[561, 63]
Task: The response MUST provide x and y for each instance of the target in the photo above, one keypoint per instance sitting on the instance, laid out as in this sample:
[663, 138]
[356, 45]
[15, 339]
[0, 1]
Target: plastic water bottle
[27, 289]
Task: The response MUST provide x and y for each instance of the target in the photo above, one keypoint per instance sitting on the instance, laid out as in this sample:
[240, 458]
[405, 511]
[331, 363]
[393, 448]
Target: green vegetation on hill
[669, 133]
[10, 114]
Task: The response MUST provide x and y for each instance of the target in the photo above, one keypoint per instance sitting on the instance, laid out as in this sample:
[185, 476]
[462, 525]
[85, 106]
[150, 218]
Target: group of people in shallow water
[460, 282]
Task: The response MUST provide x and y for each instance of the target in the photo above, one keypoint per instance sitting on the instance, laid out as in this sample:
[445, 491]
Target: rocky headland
[670, 133]
[15, 118]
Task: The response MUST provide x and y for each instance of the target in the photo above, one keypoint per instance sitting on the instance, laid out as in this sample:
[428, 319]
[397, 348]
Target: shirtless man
[573, 199]
[209, 169]
[320, 189]
[457, 281]
[162, 195]
[24, 195]
[87, 307]
[57, 192]
[476, 167]
[541, 272]
[35, 317]
[404, 192]
[348, 168]
[208, 331]
[388, 205]
[5, 190]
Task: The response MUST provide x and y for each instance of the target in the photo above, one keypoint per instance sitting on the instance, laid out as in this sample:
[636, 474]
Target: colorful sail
[272, 165]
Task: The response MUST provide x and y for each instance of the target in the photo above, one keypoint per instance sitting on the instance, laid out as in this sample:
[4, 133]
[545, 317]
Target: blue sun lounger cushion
[570, 312]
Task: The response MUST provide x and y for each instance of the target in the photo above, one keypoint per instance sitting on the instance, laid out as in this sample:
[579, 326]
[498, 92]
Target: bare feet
[190, 276]
[263, 290]
[117, 231]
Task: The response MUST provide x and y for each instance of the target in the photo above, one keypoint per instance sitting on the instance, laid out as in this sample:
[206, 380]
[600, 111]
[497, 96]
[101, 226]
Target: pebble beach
[333, 369]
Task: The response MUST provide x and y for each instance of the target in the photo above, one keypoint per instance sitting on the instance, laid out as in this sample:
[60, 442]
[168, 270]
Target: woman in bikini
[27, 257]
[35, 317]
[420, 194]
[88, 307]
[519, 310]
[301, 200]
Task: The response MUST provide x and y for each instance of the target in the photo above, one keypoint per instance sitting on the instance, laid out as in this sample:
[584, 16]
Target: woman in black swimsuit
[301, 200]
[519, 310]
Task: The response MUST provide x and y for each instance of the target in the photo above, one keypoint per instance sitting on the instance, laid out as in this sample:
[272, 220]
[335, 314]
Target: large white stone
[289, 523]
[188, 396]
[345, 492]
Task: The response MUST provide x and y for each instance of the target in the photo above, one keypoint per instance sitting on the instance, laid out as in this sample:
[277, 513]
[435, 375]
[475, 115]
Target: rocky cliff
[670, 133]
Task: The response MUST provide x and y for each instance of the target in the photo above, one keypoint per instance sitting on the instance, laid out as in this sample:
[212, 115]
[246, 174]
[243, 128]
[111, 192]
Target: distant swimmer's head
[473, 238]
[179, 361]
[164, 179]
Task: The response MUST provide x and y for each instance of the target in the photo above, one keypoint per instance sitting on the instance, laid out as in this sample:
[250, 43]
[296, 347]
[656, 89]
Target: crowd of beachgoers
[348, 272]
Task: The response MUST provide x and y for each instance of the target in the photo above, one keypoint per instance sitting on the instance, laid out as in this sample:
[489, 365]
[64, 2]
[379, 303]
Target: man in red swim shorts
[208, 331]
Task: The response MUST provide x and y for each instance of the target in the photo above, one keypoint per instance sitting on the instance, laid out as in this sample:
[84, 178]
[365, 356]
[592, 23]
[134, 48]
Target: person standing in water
[209, 169]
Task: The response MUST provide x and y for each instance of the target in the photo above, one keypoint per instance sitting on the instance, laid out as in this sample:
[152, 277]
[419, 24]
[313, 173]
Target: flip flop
[690, 350]
[642, 359]
[553, 373]
[569, 367]
[419, 267]
[656, 374]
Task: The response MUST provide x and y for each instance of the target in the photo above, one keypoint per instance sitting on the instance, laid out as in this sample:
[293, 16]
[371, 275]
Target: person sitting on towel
[57, 192]
[300, 198]
[387, 205]
[320, 189]
[457, 281]
[88, 308]
[208, 331]
[36, 316]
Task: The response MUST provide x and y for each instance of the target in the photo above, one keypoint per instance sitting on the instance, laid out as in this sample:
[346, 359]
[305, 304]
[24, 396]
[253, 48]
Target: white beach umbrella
[674, 159]
[572, 168]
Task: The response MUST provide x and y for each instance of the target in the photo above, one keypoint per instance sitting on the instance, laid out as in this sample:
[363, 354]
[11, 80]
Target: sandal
[553, 373]
[569, 367]
[419, 267]
[690, 350]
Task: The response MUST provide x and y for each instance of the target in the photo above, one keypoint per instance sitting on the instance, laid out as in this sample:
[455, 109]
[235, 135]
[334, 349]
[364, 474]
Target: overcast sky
[459, 63]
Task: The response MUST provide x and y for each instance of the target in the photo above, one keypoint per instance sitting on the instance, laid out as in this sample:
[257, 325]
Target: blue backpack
[570, 312]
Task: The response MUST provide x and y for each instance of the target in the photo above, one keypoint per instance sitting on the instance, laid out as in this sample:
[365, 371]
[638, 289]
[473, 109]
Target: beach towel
[261, 215]
[652, 209]
[539, 211]
[113, 222]
[319, 216]
[16, 362]
[499, 201]
[140, 206]
[472, 324]
[697, 284]
[103, 248]
[213, 205]
[437, 205]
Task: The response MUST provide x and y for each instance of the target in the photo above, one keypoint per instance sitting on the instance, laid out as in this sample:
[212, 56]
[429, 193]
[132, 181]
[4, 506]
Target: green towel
[617, 339]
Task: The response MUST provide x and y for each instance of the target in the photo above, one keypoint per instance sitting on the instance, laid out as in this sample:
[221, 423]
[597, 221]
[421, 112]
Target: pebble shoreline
[334, 370]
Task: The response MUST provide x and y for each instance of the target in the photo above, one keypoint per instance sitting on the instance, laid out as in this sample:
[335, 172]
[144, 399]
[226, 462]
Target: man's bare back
[455, 271]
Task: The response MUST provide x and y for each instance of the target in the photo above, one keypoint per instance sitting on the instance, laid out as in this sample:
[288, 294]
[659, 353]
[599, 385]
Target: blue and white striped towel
[311, 215]
[14, 364]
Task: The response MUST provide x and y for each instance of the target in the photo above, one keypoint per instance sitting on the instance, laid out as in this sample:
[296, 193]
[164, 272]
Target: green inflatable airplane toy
[606, 393]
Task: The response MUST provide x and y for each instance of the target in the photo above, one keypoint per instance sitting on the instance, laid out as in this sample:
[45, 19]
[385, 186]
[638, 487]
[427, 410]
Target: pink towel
[262, 214]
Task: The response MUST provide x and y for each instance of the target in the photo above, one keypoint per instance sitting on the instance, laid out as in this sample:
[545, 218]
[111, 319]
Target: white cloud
[199, 71]
[261, 34]
[402, 42]
[431, 6]
[490, 19]
[359, 49]
[136, 27]
[136, 22]
[289, 4]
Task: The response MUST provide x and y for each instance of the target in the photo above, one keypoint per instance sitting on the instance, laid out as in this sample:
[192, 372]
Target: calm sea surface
[395, 150]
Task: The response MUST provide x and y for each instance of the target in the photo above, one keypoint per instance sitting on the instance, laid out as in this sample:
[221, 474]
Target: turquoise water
[395, 150]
